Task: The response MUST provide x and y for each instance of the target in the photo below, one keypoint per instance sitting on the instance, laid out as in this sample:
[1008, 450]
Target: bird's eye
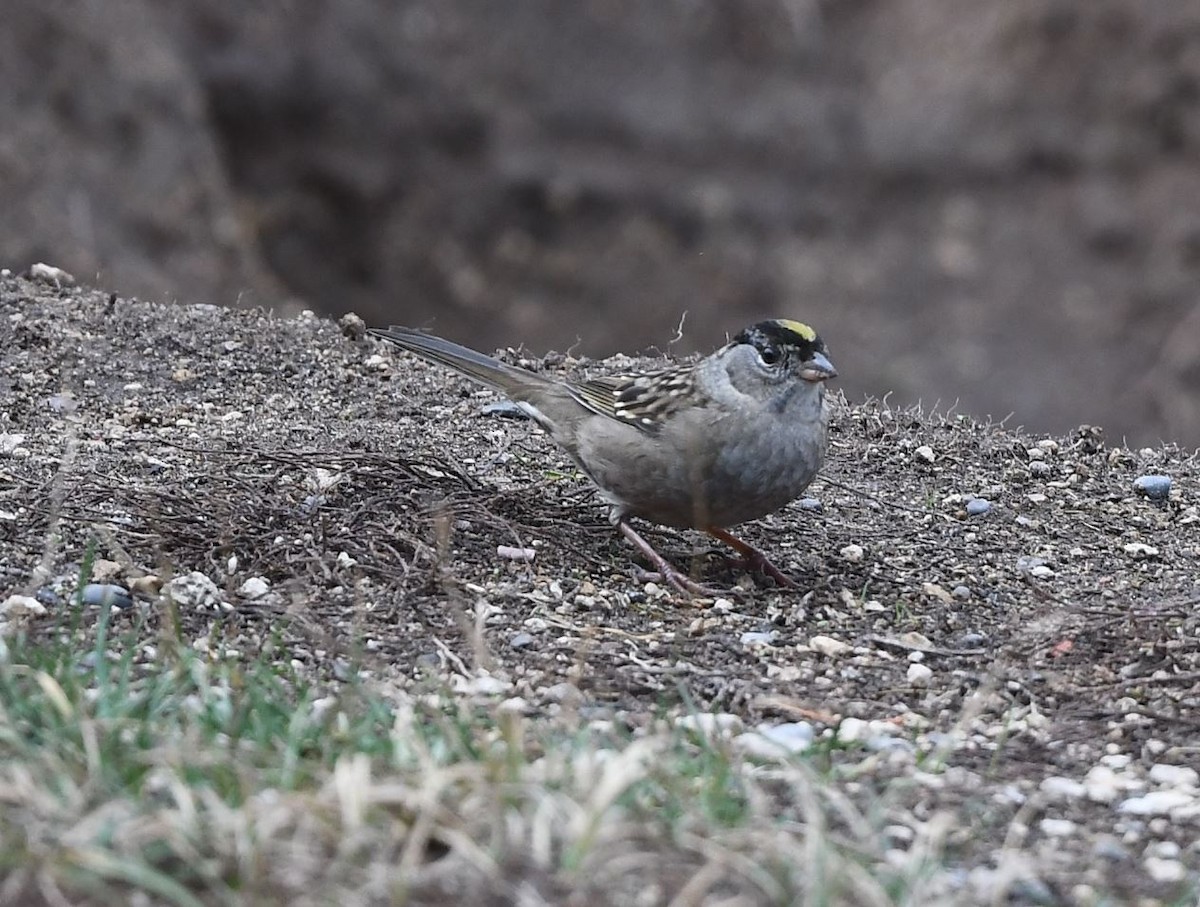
[769, 355]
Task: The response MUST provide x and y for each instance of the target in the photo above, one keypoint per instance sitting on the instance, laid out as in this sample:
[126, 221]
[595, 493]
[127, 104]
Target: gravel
[1059, 637]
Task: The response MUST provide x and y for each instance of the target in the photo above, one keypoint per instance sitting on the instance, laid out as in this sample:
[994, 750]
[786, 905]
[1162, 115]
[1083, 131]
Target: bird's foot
[680, 582]
[750, 558]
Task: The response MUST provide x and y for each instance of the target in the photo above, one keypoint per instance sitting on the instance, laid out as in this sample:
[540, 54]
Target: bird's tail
[464, 360]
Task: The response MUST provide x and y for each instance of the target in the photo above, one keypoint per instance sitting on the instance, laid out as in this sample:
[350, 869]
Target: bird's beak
[818, 368]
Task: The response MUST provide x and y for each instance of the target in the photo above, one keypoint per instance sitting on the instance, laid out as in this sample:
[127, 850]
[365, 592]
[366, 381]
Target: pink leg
[679, 581]
[752, 558]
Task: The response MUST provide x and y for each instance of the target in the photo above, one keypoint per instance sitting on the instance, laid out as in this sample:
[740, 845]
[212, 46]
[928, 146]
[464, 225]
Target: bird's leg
[680, 581]
[751, 557]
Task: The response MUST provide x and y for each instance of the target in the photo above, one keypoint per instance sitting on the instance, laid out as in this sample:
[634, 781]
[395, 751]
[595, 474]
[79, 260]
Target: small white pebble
[254, 587]
[1161, 870]
[1155, 803]
[774, 740]
[9, 443]
[481, 684]
[925, 453]
[1057, 828]
[1174, 775]
[1062, 788]
[515, 554]
[1168, 850]
[50, 274]
[708, 724]
[757, 638]
[827, 645]
[1140, 550]
[852, 553]
[919, 675]
[851, 730]
[21, 606]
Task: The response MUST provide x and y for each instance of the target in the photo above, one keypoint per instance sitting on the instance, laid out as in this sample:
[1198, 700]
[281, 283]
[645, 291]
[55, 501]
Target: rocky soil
[1003, 625]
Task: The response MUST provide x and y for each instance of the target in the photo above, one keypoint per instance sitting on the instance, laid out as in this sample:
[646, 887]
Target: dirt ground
[1060, 628]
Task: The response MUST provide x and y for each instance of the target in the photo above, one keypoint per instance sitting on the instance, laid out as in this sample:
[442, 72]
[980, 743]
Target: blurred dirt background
[994, 202]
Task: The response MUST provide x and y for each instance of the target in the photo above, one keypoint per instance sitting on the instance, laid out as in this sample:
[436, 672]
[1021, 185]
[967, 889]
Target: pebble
[254, 587]
[516, 705]
[978, 506]
[810, 504]
[875, 735]
[521, 640]
[882, 743]
[562, 692]
[1029, 890]
[1174, 775]
[10, 443]
[1162, 870]
[852, 730]
[711, 724]
[1027, 562]
[1156, 488]
[505, 409]
[852, 553]
[1168, 850]
[770, 741]
[515, 554]
[1103, 785]
[759, 638]
[919, 675]
[962, 593]
[480, 685]
[1057, 828]
[106, 594]
[50, 274]
[353, 326]
[1155, 803]
[1061, 788]
[196, 591]
[1140, 550]
[21, 606]
[149, 585]
[937, 592]
[925, 453]
[827, 645]
[1109, 848]
[104, 571]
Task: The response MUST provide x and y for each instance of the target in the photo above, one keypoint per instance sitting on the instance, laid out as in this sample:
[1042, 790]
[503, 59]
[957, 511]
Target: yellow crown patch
[797, 327]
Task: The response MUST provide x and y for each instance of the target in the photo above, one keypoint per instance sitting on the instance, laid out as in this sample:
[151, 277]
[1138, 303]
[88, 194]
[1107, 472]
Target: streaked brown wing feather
[639, 400]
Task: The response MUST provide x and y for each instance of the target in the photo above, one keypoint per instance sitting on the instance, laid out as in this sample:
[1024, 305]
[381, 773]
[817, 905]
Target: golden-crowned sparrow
[704, 445]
